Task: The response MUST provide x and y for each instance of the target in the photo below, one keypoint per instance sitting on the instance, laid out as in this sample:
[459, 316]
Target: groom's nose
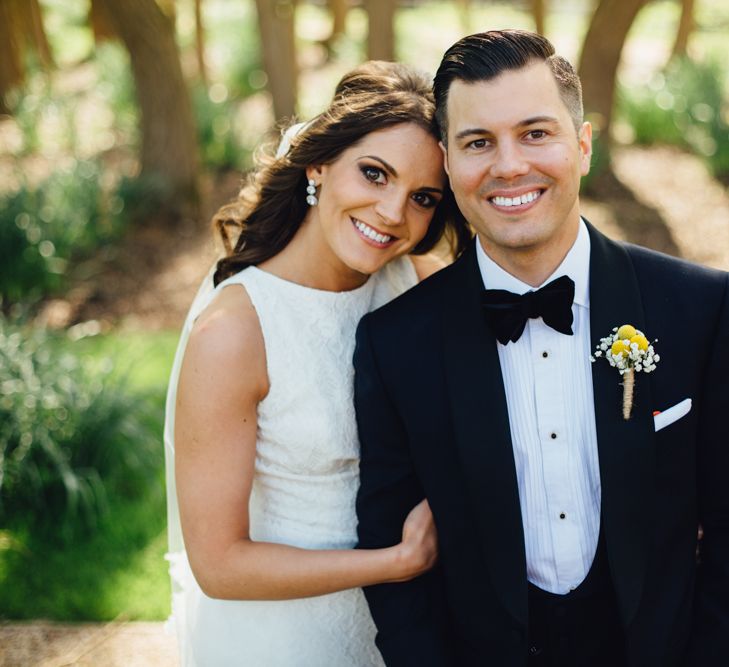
[509, 160]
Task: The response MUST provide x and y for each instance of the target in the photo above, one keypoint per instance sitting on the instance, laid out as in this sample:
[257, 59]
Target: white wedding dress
[305, 483]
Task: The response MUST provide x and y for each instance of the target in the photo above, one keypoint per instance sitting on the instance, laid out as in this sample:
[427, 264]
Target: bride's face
[378, 198]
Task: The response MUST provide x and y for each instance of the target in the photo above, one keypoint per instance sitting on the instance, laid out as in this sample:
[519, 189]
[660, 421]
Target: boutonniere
[628, 350]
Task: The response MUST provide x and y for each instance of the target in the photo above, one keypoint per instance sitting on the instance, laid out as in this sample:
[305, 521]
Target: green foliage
[142, 197]
[44, 228]
[238, 38]
[116, 88]
[683, 106]
[71, 434]
[215, 130]
[118, 570]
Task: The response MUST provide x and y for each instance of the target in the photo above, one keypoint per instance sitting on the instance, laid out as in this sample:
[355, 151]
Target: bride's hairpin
[287, 137]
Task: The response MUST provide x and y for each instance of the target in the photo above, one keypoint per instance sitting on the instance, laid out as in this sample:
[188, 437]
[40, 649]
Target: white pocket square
[672, 414]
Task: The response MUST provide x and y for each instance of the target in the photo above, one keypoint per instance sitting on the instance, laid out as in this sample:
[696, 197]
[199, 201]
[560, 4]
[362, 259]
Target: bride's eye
[373, 174]
[425, 200]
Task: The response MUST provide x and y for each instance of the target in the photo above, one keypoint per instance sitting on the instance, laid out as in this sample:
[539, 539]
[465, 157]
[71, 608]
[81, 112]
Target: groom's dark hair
[485, 55]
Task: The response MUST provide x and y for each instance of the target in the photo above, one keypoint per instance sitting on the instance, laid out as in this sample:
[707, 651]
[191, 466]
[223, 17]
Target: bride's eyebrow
[388, 167]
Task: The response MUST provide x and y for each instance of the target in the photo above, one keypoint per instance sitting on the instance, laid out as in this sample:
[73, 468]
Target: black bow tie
[507, 313]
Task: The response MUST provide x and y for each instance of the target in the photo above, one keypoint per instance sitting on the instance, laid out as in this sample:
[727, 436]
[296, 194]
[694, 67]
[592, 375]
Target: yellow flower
[626, 331]
[641, 340]
[619, 347]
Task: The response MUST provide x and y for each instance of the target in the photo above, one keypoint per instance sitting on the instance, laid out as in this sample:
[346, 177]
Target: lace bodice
[306, 450]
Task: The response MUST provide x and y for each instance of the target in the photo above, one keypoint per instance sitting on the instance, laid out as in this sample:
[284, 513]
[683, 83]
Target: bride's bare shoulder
[227, 336]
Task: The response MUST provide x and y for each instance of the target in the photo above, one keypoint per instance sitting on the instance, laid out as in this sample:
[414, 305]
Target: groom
[567, 533]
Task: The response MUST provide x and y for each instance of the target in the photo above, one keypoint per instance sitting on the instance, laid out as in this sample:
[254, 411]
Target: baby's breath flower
[630, 353]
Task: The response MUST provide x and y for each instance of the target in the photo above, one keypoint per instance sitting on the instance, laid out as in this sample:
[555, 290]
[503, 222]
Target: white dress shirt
[548, 383]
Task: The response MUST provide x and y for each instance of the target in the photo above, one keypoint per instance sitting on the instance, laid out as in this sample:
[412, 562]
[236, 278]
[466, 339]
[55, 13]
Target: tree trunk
[21, 29]
[600, 58]
[276, 22]
[169, 147]
[464, 15]
[685, 27]
[202, 69]
[338, 9]
[539, 14]
[39, 39]
[381, 32]
[100, 22]
[12, 71]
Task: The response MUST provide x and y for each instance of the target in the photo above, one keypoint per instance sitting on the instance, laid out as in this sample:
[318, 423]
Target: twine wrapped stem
[628, 388]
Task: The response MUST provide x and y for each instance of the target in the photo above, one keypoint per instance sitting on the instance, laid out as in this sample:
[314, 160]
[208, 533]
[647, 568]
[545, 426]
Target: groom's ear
[585, 142]
[445, 157]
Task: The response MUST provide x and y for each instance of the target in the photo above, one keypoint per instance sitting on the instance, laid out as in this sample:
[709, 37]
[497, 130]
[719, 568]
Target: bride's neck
[310, 261]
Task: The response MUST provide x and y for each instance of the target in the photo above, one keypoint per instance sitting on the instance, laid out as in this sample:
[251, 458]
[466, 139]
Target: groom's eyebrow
[481, 131]
[470, 131]
[535, 120]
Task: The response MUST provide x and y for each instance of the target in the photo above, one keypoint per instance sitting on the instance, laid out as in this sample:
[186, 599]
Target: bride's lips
[371, 235]
[516, 201]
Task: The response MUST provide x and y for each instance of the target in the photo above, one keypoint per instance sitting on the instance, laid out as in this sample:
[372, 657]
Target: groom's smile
[510, 201]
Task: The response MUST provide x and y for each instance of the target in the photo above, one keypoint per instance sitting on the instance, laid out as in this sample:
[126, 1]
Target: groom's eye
[477, 143]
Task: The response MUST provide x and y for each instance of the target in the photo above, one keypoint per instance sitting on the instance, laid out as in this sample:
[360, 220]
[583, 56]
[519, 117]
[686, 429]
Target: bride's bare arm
[222, 380]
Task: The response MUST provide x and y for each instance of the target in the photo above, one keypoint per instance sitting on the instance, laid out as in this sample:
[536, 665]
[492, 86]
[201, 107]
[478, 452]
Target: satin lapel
[481, 425]
[626, 448]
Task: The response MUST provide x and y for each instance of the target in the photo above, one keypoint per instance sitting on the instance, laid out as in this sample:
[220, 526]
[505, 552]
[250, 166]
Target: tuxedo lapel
[481, 425]
[626, 448]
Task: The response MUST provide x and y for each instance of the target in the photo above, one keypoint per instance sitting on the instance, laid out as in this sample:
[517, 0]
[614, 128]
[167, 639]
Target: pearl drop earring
[311, 198]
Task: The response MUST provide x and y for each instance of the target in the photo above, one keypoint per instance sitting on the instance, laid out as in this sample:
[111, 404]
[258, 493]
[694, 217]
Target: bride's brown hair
[272, 204]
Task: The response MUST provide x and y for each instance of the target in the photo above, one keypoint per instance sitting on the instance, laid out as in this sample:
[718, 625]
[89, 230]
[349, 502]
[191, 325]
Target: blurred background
[124, 125]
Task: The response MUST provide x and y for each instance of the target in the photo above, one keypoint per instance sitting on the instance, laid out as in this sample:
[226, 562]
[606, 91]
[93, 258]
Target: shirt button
[545, 354]
[553, 436]
[562, 515]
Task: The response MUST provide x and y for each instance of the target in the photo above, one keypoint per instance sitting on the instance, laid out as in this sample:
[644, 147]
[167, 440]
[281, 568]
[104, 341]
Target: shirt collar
[576, 265]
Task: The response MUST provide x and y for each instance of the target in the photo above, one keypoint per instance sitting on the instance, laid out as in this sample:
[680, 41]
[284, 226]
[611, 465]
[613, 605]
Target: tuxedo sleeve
[710, 636]
[410, 619]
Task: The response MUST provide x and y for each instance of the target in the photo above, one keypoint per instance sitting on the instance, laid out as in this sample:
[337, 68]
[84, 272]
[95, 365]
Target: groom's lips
[516, 201]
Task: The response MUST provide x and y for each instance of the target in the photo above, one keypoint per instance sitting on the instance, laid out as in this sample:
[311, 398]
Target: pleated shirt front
[548, 385]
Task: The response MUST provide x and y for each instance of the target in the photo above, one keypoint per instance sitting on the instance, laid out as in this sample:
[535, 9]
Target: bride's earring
[311, 198]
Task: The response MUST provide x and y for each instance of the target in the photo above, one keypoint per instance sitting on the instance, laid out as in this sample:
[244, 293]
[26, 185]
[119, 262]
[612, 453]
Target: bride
[260, 429]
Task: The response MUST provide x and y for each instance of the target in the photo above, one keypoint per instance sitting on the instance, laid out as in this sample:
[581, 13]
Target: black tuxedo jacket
[433, 422]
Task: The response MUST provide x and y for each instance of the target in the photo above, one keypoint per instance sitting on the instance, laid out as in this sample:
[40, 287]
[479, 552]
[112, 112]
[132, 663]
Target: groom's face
[515, 159]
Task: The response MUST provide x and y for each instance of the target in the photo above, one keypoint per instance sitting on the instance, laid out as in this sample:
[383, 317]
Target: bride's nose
[391, 208]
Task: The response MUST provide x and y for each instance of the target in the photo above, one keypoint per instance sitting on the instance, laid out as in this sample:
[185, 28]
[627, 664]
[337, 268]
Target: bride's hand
[418, 550]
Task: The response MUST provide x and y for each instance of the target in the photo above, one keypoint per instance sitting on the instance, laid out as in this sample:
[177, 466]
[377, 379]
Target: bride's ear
[315, 172]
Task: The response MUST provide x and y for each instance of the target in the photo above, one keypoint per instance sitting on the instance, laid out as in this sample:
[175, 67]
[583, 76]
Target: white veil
[174, 530]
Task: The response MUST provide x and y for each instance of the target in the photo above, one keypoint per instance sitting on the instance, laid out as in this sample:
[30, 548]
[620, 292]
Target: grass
[119, 570]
